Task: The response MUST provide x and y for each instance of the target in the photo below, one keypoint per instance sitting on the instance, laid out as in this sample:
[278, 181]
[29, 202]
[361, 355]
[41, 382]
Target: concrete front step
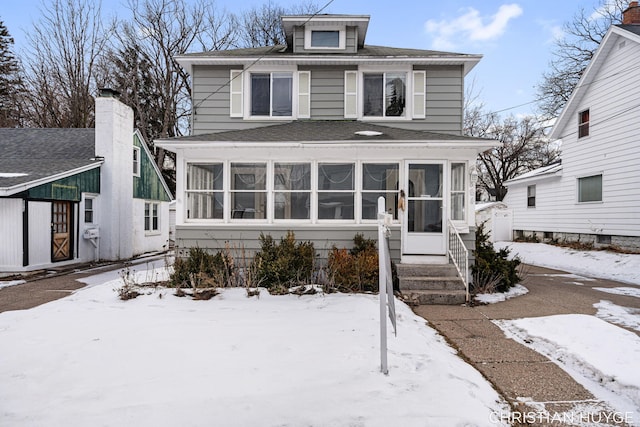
[426, 270]
[431, 283]
[433, 297]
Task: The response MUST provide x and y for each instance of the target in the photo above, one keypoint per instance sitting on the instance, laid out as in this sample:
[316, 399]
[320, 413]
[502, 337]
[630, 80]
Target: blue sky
[515, 37]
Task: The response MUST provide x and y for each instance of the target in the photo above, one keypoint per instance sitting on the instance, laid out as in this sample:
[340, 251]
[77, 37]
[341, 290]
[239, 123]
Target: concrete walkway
[517, 372]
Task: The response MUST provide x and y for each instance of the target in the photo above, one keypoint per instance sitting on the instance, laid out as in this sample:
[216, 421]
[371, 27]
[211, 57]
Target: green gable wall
[148, 185]
[69, 188]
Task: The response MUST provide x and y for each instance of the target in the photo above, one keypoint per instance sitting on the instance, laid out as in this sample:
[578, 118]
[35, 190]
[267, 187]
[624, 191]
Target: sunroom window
[379, 179]
[248, 190]
[205, 193]
[457, 191]
[336, 191]
[384, 94]
[272, 94]
[292, 190]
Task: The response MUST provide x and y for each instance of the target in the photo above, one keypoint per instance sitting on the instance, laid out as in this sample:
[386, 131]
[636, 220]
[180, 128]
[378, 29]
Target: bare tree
[261, 26]
[64, 47]
[522, 146]
[572, 53]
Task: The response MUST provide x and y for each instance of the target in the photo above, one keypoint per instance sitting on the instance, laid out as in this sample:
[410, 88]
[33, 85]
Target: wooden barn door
[61, 231]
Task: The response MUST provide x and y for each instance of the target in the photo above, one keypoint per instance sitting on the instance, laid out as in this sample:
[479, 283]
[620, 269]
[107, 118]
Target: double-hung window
[89, 210]
[292, 190]
[151, 216]
[384, 94]
[336, 190]
[379, 179]
[205, 191]
[248, 190]
[583, 123]
[458, 192]
[531, 196]
[272, 94]
[136, 161]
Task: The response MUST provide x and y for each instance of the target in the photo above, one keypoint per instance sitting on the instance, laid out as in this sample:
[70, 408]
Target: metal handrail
[459, 256]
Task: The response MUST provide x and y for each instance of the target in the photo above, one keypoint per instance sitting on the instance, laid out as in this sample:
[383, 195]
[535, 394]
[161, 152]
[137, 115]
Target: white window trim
[408, 115]
[187, 191]
[308, 29]
[578, 178]
[151, 231]
[228, 209]
[94, 198]
[137, 150]
[273, 69]
[360, 191]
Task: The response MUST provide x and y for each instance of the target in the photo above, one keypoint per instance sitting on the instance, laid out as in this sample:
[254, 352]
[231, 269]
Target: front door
[424, 223]
[61, 231]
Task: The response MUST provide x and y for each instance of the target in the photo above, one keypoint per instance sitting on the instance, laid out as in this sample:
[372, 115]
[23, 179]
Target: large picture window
[379, 179]
[248, 190]
[205, 191]
[590, 189]
[272, 94]
[336, 191]
[292, 190]
[384, 94]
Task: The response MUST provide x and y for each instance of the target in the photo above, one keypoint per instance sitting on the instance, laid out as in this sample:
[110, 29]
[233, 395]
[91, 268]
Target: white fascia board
[390, 144]
[8, 191]
[533, 179]
[469, 61]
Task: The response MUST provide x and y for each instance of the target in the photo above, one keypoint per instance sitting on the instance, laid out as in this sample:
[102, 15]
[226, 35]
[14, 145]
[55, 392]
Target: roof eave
[18, 188]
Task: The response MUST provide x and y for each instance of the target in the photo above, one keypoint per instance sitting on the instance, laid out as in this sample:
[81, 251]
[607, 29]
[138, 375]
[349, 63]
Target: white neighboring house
[78, 195]
[593, 196]
[497, 219]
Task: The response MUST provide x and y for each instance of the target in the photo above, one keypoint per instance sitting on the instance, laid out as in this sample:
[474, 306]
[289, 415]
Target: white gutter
[8, 191]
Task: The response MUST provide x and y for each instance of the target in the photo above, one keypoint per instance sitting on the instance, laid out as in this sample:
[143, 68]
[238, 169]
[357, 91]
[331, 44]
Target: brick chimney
[632, 14]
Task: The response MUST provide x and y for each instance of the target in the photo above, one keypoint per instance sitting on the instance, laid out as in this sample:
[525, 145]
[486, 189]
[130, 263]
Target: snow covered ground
[598, 354]
[160, 360]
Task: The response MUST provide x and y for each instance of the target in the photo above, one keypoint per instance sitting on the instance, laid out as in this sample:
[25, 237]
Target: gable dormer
[325, 33]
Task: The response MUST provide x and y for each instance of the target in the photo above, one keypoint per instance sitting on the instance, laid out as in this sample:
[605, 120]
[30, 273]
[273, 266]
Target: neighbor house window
[292, 190]
[457, 191]
[379, 179]
[88, 210]
[336, 190]
[248, 190]
[590, 189]
[151, 216]
[205, 191]
[136, 161]
[272, 94]
[384, 94]
[583, 123]
[531, 196]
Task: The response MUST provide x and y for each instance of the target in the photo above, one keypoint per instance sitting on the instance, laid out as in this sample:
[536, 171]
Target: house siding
[11, 232]
[444, 99]
[245, 240]
[612, 149]
[148, 185]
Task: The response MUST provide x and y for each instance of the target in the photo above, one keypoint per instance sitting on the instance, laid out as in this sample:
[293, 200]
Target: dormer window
[332, 38]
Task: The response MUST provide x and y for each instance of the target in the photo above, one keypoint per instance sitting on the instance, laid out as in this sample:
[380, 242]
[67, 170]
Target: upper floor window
[325, 38]
[590, 189]
[136, 161]
[531, 196]
[583, 123]
[384, 94]
[272, 94]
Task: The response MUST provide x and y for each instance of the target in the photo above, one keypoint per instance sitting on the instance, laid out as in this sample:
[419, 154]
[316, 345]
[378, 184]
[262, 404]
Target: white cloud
[471, 26]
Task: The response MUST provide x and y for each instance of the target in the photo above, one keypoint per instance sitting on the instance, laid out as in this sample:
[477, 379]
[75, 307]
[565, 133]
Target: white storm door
[424, 222]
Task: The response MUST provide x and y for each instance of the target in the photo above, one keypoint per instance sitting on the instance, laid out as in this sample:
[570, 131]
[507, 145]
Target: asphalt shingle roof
[632, 28]
[323, 130]
[28, 155]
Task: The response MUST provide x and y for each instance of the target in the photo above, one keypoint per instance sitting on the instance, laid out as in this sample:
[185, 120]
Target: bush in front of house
[281, 265]
[202, 269]
[354, 270]
[493, 271]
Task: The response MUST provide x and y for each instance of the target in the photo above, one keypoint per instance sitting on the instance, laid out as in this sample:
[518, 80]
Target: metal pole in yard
[382, 287]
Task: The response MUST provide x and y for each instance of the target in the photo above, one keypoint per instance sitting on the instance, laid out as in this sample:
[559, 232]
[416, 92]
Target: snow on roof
[537, 173]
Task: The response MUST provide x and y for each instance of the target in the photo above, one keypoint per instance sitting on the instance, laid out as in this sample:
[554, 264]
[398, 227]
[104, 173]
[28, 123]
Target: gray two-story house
[306, 136]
